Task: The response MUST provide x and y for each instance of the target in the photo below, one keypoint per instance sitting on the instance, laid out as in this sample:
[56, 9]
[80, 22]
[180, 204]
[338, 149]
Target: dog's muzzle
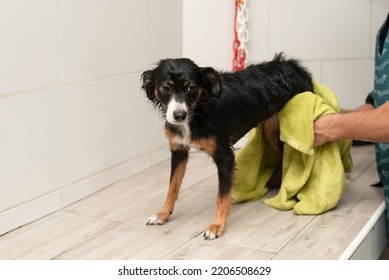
[177, 112]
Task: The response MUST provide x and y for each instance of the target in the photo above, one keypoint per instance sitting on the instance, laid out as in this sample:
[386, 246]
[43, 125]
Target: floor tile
[51, 236]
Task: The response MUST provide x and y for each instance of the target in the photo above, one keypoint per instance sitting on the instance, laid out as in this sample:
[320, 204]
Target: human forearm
[364, 107]
[370, 125]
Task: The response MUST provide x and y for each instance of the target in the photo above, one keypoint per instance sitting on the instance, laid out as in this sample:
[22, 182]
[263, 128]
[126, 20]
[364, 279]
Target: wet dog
[210, 111]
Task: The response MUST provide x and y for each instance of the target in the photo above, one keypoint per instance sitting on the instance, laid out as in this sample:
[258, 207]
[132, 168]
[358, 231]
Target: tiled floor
[111, 223]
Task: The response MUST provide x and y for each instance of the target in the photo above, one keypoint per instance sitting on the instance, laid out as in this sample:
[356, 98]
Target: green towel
[313, 179]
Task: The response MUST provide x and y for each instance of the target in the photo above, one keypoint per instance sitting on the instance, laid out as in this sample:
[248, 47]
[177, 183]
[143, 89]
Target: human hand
[322, 130]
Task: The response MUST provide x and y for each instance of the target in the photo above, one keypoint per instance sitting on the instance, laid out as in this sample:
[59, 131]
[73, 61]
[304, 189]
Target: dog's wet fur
[211, 110]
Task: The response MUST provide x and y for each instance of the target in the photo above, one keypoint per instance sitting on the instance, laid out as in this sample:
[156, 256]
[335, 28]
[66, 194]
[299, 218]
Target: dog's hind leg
[271, 133]
[225, 162]
[179, 161]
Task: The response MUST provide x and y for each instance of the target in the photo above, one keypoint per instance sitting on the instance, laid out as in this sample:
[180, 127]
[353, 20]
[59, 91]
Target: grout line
[31, 200]
[182, 245]
[91, 216]
[62, 85]
[85, 241]
[119, 164]
[297, 234]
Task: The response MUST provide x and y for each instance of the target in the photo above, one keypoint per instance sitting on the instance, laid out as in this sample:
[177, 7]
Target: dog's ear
[211, 81]
[148, 84]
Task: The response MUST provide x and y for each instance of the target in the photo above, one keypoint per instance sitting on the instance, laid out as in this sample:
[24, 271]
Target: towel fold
[313, 179]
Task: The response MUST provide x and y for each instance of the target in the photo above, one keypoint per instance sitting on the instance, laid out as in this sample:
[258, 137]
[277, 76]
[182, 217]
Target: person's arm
[368, 125]
[364, 107]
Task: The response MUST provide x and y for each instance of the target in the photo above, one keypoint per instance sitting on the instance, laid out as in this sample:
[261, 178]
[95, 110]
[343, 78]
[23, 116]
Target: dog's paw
[213, 232]
[157, 219]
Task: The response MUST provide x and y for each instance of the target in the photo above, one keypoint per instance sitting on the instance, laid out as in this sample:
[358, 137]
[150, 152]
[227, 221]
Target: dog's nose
[179, 115]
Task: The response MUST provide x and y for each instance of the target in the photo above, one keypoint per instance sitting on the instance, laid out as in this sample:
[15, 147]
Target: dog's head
[178, 86]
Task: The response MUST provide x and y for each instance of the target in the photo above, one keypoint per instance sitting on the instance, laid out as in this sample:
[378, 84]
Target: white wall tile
[258, 26]
[351, 80]
[86, 123]
[101, 180]
[165, 29]
[102, 38]
[380, 9]
[25, 146]
[208, 31]
[314, 67]
[106, 122]
[51, 138]
[28, 45]
[315, 29]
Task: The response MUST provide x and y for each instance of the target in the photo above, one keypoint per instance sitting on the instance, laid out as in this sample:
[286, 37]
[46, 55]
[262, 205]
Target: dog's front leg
[225, 162]
[179, 159]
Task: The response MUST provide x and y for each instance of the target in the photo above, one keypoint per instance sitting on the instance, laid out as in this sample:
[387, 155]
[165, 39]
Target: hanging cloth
[241, 35]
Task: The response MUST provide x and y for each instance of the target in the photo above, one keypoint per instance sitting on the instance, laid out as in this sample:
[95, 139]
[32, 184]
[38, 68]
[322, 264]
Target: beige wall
[72, 117]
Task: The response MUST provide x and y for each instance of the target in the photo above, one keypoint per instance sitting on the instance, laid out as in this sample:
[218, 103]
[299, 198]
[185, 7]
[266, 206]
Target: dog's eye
[165, 89]
[193, 88]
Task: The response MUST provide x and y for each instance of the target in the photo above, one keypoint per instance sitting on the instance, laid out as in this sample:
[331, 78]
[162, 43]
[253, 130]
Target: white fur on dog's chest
[184, 138]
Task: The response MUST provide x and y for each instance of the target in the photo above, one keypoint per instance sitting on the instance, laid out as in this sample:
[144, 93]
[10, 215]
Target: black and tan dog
[210, 111]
